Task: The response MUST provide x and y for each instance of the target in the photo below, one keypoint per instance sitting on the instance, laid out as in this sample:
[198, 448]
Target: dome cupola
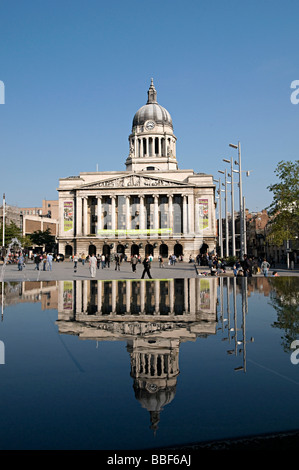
[152, 142]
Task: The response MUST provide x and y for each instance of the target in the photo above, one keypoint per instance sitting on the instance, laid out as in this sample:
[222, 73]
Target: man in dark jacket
[247, 266]
[147, 267]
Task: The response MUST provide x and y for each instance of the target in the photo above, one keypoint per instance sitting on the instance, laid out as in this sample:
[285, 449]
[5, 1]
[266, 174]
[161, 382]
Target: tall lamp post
[242, 209]
[233, 205]
[220, 218]
[3, 228]
[226, 213]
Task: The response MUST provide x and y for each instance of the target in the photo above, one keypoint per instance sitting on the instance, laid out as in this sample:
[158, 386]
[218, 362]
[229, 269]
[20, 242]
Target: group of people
[44, 261]
[249, 266]
[93, 264]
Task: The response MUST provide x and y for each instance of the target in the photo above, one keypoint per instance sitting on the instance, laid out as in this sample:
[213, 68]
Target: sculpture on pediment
[133, 180]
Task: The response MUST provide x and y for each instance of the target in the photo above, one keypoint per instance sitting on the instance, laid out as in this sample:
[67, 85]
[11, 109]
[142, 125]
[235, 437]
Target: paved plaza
[65, 271]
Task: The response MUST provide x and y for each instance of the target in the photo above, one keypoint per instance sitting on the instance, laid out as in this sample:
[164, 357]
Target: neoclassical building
[152, 207]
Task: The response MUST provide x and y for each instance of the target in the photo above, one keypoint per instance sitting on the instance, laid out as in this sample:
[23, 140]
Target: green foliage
[284, 209]
[11, 231]
[40, 238]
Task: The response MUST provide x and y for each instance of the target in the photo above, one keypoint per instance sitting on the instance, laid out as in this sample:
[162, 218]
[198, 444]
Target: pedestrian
[75, 262]
[20, 262]
[161, 263]
[247, 266]
[83, 258]
[134, 262]
[44, 261]
[265, 267]
[50, 260]
[92, 265]
[103, 259]
[117, 262]
[147, 267]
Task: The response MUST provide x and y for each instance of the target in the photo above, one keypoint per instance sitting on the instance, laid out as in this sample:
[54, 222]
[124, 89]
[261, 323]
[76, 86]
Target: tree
[284, 209]
[11, 231]
[41, 238]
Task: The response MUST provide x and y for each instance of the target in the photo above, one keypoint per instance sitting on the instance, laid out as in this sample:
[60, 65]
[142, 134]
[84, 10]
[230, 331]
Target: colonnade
[108, 214]
[172, 297]
[152, 146]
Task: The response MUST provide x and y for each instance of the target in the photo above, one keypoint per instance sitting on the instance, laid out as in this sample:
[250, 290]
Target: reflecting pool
[147, 363]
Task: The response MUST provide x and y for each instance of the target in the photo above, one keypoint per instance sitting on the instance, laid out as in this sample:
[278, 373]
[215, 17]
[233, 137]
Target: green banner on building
[134, 232]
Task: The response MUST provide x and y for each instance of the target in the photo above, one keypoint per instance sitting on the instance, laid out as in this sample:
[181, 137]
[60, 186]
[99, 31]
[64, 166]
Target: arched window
[68, 251]
[92, 250]
[163, 250]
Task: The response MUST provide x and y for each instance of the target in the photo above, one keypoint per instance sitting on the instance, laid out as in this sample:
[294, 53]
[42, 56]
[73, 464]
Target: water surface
[144, 364]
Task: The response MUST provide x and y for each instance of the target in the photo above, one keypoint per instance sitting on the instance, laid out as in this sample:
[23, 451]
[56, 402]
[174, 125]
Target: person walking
[50, 261]
[36, 260]
[161, 263]
[134, 262]
[265, 267]
[75, 262]
[103, 259]
[147, 267]
[92, 265]
[20, 262]
[117, 262]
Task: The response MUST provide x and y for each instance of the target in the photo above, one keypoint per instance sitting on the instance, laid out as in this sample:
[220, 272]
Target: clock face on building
[150, 125]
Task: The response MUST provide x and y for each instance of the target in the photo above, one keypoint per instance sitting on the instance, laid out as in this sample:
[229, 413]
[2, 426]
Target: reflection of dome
[154, 401]
[152, 111]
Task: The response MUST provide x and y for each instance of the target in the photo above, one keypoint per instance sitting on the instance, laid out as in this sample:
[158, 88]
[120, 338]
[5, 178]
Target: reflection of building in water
[153, 316]
[45, 292]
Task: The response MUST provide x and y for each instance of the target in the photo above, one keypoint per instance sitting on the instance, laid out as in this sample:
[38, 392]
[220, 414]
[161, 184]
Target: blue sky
[75, 73]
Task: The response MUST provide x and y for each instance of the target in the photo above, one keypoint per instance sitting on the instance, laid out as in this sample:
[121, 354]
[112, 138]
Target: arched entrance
[68, 251]
[134, 250]
[106, 250]
[178, 249]
[92, 250]
[163, 250]
[120, 249]
[149, 249]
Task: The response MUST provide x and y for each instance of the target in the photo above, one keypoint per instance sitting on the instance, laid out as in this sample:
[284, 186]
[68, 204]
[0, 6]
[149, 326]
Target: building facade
[152, 207]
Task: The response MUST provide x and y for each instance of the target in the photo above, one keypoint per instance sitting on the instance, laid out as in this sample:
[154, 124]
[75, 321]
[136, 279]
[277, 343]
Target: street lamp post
[226, 212]
[220, 218]
[3, 228]
[233, 205]
[238, 147]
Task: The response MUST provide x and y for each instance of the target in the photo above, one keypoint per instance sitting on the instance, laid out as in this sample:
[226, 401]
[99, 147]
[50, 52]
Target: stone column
[99, 212]
[100, 285]
[113, 297]
[184, 215]
[190, 213]
[170, 212]
[171, 296]
[85, 208]
[78, 215]
[141, 212]
[196, 216]
[113, 218]
[156, 211]
[61, 216]
[128, 297]
[157, 297]
[128, 215]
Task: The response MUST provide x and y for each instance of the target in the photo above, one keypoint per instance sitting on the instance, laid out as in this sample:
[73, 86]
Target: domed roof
[152, 111]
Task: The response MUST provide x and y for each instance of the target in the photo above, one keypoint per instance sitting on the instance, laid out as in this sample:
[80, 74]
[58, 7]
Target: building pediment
[133, 180]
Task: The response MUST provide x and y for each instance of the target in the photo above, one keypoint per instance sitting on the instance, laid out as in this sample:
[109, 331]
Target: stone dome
[152, 111]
